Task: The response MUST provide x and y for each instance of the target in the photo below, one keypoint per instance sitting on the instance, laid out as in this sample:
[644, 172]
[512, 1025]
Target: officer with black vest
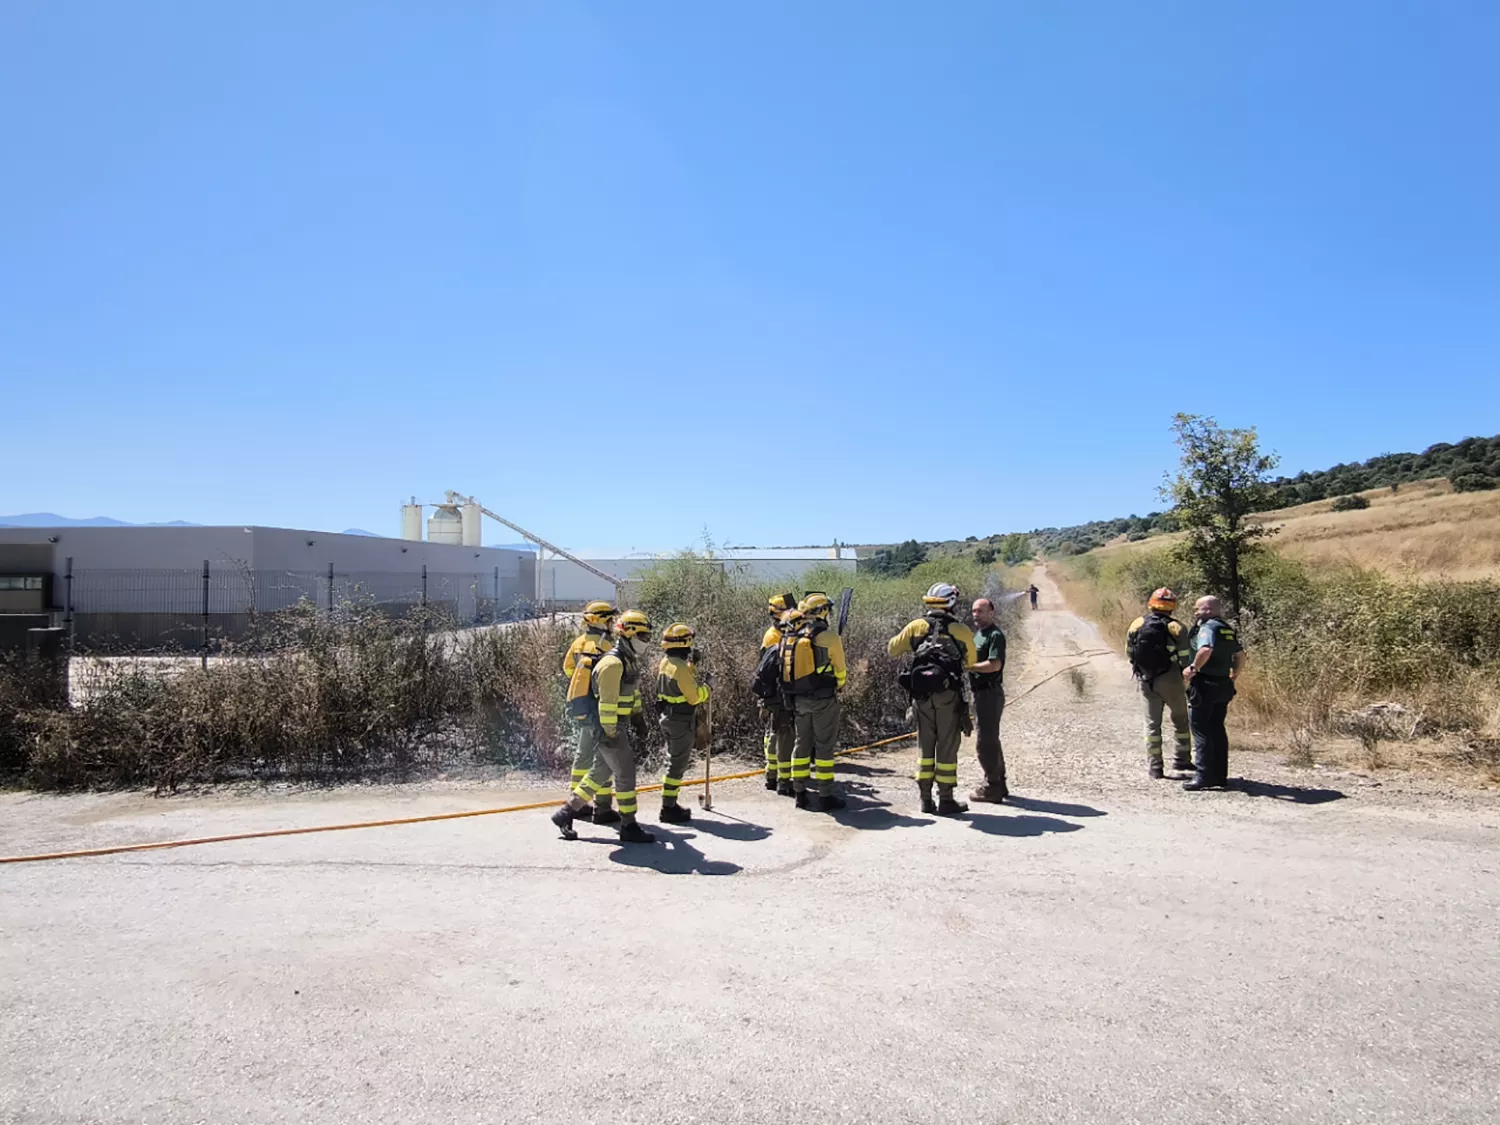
[1210, 683]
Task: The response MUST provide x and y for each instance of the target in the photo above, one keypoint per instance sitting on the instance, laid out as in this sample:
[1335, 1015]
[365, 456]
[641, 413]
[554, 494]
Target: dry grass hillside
[1425, 530]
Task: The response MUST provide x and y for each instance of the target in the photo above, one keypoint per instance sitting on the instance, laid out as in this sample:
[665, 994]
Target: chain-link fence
[146, 610]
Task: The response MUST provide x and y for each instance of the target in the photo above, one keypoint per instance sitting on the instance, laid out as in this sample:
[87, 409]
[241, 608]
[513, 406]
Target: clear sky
[784, 271]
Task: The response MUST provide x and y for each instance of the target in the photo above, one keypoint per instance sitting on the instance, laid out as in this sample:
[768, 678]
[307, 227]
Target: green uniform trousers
[611, 761]
[817, 738]
[781, 732]
[585, 753]
[679, 731]
[1166, 692]
[938, 738]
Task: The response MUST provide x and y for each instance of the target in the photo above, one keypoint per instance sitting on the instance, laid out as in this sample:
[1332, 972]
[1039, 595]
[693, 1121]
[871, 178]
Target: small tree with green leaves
[1223, 478]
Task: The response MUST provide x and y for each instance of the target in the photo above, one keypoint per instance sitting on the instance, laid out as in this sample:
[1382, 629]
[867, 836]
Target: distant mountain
[52, 519]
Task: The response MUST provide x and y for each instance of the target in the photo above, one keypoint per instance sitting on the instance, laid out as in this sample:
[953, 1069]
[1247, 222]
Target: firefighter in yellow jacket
[813, 673]
[678, 697]
[615, 700]
[578, 665]
[781, 722]
[941, 649]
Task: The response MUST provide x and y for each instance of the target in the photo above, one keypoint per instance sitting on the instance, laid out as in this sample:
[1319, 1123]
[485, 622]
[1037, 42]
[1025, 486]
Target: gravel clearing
[1311, 948]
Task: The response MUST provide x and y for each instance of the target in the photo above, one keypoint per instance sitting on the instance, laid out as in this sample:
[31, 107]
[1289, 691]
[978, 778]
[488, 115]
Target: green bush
[1473, 482]
[1353, 502]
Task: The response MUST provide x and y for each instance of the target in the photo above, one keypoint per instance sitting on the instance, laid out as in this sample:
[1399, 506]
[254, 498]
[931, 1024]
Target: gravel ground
[1109, 949]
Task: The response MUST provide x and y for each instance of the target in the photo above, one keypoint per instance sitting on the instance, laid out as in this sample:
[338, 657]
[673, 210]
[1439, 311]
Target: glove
[638, 726]
[966, 724]
[611, 737]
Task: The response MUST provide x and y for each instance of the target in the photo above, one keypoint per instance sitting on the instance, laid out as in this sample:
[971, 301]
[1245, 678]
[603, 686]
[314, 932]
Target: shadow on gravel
[857, 769]
[1296, 794]
[728, 830]
[868, 814]
[992, 825]
[1056, 808]
[671, 855]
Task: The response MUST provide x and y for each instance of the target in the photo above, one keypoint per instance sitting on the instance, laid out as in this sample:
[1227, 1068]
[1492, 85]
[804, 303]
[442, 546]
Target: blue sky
[781, 271]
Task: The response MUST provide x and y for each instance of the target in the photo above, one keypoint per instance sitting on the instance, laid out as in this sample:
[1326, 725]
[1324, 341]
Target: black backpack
[936, 665]
[1151, 648]
[766, 683]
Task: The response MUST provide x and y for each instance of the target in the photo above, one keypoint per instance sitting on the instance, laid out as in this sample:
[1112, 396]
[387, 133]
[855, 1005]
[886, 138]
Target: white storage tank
[411, 521]
[471, 517]
[445, 525]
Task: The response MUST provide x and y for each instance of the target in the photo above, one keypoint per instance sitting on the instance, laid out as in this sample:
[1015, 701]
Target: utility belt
[1211, 689]
[678, 709]
[986, 685]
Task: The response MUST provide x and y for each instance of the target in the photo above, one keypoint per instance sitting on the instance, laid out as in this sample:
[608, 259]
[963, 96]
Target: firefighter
[1217, 663]
[578, 666]
[813, 672]
[678, 696]
[780, 721]
[942, 650]
[615, 701]
[1157, 645]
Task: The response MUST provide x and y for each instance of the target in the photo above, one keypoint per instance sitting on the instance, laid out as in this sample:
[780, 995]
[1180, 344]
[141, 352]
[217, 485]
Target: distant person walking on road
[985, 677]
[1157, 646]
[1210, 686]
[1033, 591]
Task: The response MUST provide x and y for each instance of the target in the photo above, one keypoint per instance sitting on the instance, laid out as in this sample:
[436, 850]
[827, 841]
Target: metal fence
[157, 609]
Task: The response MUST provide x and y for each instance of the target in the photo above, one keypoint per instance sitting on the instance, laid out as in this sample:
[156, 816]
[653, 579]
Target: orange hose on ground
[160, 845]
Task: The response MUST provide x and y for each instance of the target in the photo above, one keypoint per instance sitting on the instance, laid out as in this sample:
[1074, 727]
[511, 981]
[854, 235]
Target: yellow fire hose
[553, 802]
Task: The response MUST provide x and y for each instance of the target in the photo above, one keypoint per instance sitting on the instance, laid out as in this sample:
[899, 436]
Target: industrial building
[563, 584]
[159, 586]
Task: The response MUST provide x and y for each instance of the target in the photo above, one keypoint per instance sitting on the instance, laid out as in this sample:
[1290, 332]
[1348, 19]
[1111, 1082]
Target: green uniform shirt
[1221, 638]
[989, 644]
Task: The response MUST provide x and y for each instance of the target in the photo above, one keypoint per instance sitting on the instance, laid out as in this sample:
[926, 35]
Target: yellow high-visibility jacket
[578, 665]
[909, 638]
[616, 690]
[772, 637]
[677, 688]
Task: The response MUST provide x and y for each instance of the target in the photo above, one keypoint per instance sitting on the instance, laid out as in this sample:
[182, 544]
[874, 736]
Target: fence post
[424, 583]
[205, 615]
[330, 589]
[68, 602]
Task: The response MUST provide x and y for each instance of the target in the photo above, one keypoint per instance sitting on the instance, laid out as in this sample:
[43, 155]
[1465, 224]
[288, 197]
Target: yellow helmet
[816, 604]
[634, 623]
[780, 603]
[599, 614]
[678, 635]
[792, 620]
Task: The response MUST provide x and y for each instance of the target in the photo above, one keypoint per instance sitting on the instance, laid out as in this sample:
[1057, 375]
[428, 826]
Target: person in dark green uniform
[986, 677]
[1210, 680]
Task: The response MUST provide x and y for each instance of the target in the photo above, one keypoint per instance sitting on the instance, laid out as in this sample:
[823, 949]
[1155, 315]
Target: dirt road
[1109, 949]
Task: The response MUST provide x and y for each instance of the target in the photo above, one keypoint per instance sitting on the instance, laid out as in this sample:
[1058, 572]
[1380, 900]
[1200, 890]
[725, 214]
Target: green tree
[1015, 548]
[1222, 479]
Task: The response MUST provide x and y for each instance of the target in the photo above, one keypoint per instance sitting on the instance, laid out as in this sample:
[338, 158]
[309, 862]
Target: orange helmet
[1163, 600]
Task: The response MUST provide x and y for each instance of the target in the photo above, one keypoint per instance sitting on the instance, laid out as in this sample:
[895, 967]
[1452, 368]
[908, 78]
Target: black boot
[950, 807]
[771, 782]
[585, 813]
[1154, 768]
[785, 789]
[605, 814]
[633, 833]
[1183, 762]
[563, 818]
[675, 814]
[804, 799]
[929, 806]
[828, 802]
[1200, 782]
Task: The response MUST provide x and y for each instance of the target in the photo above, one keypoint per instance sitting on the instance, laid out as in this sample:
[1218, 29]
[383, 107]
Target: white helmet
[942, 596]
